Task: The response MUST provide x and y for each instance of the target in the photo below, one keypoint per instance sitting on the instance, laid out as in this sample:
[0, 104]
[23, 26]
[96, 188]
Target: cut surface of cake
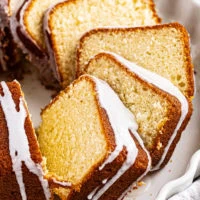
[32, 16]
[23, 173]
[160, 109]
[17, 45]
[163, 49]
[65, 23]
[21, 166]
[99, 152]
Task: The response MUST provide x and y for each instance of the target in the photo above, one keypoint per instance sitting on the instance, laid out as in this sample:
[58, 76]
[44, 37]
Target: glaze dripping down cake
[99, 152]
[65, 23]
[160, 109]
[23, 169]
[22, 166]
[92, 143]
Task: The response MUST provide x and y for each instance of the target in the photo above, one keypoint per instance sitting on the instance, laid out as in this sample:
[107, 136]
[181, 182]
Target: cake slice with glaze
[31, 29]
[23, 173]
[18, 43]
[65, 23]
[163, 49]
[21, 164]
[160, 109]
[99, 152]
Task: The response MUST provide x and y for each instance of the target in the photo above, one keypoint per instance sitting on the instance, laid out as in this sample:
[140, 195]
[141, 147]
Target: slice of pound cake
[161, 110]
[31, 15]
[163, 49]
[90, 139]
[22, 166]
[24, 22]
[23, 173]
[65, 23]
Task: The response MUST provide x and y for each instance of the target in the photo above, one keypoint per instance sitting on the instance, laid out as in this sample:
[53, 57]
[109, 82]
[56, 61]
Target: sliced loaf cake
[23, 169]
[22, 166]
[32, 15]
[90, 139]
[65, 23]
[160, 109]
[17, 43]
[163, 49]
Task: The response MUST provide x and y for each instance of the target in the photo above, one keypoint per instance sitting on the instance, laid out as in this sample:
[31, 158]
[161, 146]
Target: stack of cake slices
[127, 96]
[24, 21]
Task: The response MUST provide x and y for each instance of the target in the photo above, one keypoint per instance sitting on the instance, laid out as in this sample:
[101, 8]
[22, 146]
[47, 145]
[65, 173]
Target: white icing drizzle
[121, 121]
[165, 85]
[92, 193]
[105, 181]
[18, 142]
[62, 183]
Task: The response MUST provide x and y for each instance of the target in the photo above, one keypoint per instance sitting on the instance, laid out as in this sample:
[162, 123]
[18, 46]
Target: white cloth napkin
[191, 193]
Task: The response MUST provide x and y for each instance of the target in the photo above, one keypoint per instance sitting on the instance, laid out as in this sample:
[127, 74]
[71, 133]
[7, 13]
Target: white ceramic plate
[180, 184]
[37, 97]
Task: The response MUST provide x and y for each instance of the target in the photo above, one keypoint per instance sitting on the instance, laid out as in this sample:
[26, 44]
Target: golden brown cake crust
[150, 3]
[185, 38]
[95, 177]
[153, 8]
[26, 12]
[118, 188]
[9, 188]
[178, 136]
[174, 113]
